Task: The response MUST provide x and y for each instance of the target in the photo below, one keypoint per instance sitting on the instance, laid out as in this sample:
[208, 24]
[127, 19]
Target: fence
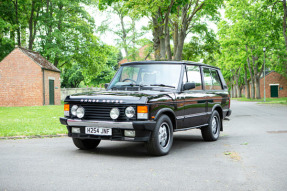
[68, 91]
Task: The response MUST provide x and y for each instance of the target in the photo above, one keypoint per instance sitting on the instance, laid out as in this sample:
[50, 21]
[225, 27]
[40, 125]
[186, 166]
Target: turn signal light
[66, 107]
[142, 109]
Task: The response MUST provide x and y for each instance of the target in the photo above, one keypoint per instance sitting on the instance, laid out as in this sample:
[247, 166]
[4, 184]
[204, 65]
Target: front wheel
[161, 138]
[86, 144]
[212, 131]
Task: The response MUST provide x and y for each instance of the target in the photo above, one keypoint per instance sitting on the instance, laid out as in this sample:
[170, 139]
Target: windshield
[158, 75]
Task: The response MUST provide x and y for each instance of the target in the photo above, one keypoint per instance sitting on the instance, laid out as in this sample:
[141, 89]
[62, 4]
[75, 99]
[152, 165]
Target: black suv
[148, 101]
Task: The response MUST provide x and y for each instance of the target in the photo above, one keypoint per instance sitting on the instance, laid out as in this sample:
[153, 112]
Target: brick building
[275, 85]
[28, 79]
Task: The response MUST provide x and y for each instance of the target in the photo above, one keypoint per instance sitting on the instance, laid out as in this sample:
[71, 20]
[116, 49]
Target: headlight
[74, 110]
[130, 112]
[80, 112]
[114, 113]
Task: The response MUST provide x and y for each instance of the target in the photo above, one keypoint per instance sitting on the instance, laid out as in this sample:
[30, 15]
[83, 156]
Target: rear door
[215, 93]
[195, 103]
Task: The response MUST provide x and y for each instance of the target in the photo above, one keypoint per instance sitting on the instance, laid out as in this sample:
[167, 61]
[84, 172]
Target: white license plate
[98, 131]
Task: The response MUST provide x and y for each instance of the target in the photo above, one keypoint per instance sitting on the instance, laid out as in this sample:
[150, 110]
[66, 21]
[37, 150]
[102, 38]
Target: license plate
[99, 131]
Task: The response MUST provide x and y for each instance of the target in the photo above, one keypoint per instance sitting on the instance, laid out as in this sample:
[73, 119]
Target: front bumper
[142, 129]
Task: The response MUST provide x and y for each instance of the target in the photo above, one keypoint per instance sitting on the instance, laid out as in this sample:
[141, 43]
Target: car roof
[167, 62]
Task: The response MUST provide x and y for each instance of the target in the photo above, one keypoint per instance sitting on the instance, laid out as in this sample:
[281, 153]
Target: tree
[126, 29]
[72, 77]
[110, 68]
[242, 38]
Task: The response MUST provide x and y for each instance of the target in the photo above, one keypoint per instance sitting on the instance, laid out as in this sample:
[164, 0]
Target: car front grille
[102, 112]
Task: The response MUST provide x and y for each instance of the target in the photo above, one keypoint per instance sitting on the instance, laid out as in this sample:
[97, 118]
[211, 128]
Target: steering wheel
[130, 80]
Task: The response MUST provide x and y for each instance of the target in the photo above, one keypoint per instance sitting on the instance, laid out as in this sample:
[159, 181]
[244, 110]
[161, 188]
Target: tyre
[212, 131]
[161, 138]
[86, 144]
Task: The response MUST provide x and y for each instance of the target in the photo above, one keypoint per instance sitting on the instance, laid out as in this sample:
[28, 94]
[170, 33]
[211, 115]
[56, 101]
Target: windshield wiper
[131, 84]
[162, 85]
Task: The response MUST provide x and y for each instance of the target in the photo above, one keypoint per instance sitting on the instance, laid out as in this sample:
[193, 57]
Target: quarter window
[216, 83]
[194, 76]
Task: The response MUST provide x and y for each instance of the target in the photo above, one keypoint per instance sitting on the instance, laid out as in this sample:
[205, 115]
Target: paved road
[251, 154]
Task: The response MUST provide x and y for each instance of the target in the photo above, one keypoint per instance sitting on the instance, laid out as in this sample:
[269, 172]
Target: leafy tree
[72, 77]
[242, 38]
[109, 69]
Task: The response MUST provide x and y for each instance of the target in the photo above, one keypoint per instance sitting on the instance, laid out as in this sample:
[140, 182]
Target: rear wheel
[212, 131]
[86, 144]
[161, 138]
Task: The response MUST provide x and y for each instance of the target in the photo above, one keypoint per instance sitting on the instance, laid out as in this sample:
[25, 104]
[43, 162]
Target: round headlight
[74, 110]
[114, 113]
[130, 112]
[80, 112]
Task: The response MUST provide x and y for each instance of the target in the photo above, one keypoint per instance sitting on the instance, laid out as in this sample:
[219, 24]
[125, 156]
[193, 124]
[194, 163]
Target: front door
[274, 90]
[51, 92]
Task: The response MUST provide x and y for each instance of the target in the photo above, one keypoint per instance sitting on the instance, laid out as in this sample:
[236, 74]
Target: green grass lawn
[282, 100]
[30, 121]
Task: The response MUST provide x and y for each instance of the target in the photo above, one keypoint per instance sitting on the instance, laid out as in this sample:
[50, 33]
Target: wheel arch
[218, 108]
[170, 113]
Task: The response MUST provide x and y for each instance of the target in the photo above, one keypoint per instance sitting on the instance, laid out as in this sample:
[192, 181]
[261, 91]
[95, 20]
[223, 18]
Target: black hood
[135, 97]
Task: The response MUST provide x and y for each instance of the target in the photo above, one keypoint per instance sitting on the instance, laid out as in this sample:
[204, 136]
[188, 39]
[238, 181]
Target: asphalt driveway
[251, 154]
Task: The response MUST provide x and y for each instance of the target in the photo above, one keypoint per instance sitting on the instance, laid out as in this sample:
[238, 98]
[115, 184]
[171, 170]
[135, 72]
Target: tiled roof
[44, 63]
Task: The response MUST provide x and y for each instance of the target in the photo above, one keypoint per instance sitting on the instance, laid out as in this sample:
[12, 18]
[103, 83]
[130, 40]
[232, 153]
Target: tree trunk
[187, 16]
[237, 87]
[49, 13]
[124, 36]
[181, 37]
[257, 75]
[31, 26]
[17, 23]
[167, 40]
[162, 46]
[57, 59]
[247, 90]
[234, 91]
[175, 38]
[134, 39]
[236, 79]
[257, 85]
[251, 76]
[240, 91]
[156, 41]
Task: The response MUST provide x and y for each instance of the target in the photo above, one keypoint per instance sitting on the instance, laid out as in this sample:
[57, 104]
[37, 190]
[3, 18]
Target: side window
[194, 76]
[207, 79]
[216, 83]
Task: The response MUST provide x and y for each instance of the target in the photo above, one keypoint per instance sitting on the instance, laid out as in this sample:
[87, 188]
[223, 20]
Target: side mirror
[188, 86]
[107, 85]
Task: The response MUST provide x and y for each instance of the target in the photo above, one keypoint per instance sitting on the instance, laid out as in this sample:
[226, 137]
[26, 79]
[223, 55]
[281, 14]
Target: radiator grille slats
[102, 111]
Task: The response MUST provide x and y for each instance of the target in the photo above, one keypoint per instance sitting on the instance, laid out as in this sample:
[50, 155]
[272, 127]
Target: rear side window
[211, 79]
[194, 76]
[207, 79]
[216, 83]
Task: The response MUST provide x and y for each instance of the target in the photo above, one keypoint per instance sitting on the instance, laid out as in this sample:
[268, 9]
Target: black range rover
[148, 101]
